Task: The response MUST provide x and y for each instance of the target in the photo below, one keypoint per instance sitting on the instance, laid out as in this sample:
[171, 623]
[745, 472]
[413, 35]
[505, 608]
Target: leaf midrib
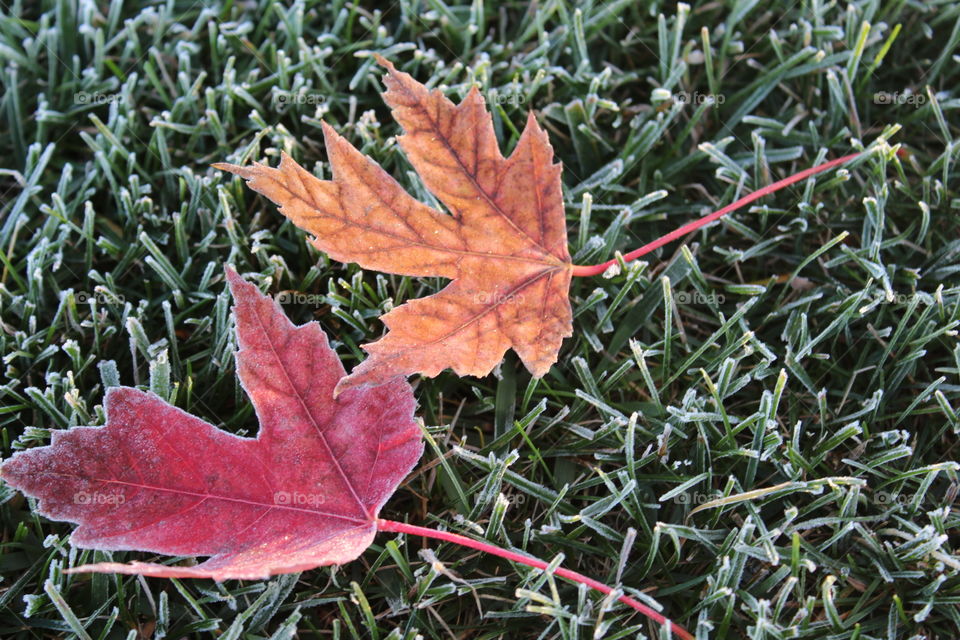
[524, 284]
[549, 258]
[207, 496]
[306, 411]
[446, 143]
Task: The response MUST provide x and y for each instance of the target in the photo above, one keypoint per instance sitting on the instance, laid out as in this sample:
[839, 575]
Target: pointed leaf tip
[232, 276]
[247, 173]
[329, 133]
[243, 291]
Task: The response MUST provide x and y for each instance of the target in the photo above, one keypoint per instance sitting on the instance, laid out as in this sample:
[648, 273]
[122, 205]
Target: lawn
[755, 427]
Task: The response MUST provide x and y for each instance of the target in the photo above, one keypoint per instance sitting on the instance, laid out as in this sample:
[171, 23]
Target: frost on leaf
[304, 493]
[503, 243]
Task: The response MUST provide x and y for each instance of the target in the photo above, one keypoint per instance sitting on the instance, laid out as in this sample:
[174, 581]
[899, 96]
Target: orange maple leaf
[504, 244]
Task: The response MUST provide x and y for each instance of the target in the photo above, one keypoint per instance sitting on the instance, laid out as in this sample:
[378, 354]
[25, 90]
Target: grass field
[756, 427]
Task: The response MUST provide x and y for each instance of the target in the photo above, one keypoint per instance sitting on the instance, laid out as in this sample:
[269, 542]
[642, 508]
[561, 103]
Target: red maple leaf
[304, 493]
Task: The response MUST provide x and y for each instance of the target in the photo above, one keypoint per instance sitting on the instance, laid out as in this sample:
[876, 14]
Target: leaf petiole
[447, 536]
[597, 269]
